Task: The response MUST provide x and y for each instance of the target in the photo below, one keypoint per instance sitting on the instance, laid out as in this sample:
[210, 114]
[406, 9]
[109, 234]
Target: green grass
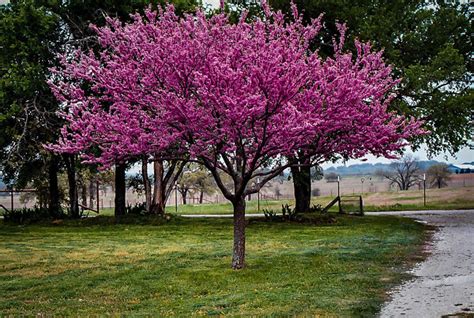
[181, 268]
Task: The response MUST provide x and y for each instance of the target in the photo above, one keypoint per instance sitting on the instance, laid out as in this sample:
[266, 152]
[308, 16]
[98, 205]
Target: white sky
[214, 3]
[465, 155]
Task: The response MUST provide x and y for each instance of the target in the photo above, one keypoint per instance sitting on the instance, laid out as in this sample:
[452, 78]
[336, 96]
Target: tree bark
[120, 189]
[302, 187]
[73, 194]
[158, 204]
[238, 256]
[146, 184]
[201, 197]
[184, 194]
[54, 206]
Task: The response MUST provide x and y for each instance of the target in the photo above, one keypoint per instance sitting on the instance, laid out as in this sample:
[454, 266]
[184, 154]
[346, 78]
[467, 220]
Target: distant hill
[369, 168]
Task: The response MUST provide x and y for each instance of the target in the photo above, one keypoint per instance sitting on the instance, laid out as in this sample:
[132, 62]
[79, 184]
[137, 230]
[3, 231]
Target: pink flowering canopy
[237, 97]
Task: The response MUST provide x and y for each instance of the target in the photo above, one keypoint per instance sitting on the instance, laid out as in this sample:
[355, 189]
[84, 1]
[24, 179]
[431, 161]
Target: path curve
[444, 283]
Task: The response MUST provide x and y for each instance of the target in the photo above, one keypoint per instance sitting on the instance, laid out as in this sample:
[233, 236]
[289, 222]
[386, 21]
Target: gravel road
[443, 284]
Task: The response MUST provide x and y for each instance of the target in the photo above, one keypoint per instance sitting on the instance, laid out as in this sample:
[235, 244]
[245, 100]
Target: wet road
[444, 283]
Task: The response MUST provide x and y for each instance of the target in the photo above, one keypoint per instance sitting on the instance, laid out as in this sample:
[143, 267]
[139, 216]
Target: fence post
[11, 195]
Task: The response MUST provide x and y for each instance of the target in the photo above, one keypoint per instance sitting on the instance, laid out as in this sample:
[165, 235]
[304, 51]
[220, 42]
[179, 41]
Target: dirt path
[444, 283]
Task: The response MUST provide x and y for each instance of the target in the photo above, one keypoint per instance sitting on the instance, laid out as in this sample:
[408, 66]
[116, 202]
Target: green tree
[29, 39]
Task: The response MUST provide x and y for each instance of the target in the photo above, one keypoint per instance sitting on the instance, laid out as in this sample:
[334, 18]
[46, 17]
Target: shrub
[270, 215]
[289, 214]
[316, 208]
[31, 215]
[137, 209]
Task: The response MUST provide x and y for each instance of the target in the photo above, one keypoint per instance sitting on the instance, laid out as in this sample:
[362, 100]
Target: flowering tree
[238, 98]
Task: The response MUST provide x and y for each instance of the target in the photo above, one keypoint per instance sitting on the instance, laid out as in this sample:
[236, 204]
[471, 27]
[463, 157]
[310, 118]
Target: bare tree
[331, 177]
[405, 172]
[438, 174]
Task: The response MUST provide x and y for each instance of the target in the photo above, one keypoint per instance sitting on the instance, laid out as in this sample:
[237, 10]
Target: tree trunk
[201, 197]
[146, 184]
[120, 189]
[54, 206]
[71, 178]
[184, 194]
[238, 256]
[158, 204]
[302, 187]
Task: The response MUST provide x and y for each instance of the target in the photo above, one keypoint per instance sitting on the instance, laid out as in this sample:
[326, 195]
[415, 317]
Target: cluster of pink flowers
[234, 96]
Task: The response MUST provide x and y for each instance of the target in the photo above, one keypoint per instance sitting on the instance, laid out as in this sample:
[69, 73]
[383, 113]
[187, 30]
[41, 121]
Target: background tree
[195, 179]
[303, 173]
[29, 39]
[438, 175]
[405, 173]
[331, 177]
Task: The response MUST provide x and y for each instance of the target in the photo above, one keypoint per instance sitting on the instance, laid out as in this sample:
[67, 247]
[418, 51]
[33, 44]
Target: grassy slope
[182, 267]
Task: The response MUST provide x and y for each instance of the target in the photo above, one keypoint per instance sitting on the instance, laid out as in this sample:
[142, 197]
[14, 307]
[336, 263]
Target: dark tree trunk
[184, 194]
[54, 206]
[302, 187]
[201, 197]
[238, 256]
[158, 204]
[71, 178]
[146, 184]
[120, 189]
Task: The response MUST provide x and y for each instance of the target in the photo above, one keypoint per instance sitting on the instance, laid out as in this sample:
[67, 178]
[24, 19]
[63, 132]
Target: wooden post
[11, 196]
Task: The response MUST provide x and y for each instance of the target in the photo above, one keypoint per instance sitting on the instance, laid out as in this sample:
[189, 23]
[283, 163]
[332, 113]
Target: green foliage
[289, 214]
[29, 39]
[31, 215]
[316, 208]
[270, 215]
[137, 209]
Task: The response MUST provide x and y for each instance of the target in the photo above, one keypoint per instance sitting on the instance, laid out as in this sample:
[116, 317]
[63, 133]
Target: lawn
[182, 267]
